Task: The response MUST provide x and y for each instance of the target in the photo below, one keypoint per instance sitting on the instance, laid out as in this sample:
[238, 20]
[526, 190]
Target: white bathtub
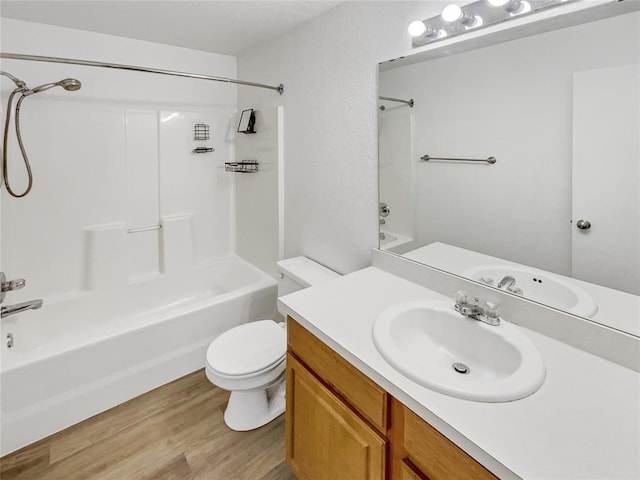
[86, 353]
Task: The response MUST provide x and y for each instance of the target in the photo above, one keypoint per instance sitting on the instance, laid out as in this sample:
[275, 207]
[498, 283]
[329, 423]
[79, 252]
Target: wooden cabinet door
[325, 439]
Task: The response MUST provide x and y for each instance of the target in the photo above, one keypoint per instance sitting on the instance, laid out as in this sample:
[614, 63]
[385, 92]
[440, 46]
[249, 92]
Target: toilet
[249, 360]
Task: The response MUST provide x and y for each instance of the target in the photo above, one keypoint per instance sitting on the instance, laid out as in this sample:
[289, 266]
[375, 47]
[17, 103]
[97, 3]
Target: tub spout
[21, 307]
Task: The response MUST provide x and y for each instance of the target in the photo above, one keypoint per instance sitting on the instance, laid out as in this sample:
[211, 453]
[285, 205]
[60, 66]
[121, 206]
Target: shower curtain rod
[87, 63]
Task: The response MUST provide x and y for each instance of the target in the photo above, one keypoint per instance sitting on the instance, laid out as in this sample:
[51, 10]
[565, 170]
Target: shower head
[69, 84]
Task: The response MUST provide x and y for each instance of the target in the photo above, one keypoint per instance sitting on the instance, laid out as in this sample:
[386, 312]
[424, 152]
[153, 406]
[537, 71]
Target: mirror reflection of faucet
[508, 283]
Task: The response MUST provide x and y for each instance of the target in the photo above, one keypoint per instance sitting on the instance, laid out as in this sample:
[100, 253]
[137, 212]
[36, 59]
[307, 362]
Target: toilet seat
[259, 373]
[248, 350]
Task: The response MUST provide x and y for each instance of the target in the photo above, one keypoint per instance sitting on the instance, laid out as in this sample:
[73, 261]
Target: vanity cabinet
[342, 425]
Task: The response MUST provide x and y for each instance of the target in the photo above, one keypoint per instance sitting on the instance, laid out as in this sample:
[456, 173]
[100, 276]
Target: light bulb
[417, 28]
[522, 7]
[452, 13]
[514, 7]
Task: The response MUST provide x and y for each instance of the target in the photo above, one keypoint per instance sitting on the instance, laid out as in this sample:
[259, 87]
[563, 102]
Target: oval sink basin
[539, 286]
[435, 346]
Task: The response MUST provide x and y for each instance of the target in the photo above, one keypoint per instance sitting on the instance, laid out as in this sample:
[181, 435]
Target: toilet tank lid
[305, 271]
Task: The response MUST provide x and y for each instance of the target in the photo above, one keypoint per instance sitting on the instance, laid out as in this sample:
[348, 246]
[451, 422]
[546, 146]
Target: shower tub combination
[129, 305]
[79, 356]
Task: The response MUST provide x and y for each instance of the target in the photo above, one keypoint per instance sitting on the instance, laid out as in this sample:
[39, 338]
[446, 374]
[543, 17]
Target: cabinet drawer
[358, 390]
[435, 455]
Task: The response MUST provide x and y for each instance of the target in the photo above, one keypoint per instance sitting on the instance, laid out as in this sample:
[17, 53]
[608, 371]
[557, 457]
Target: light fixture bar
[477, 15]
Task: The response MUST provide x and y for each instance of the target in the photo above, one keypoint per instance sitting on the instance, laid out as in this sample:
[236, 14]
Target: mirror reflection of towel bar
[144, 229]
[490, 160]
[409, 102]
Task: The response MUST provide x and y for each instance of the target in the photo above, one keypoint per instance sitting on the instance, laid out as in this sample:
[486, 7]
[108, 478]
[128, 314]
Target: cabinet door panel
[325, 439]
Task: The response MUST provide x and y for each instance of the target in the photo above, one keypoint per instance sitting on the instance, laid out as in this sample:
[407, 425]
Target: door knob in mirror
[583, 224]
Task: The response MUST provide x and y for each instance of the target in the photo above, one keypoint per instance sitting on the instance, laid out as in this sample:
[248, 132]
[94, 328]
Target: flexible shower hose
[5, 168]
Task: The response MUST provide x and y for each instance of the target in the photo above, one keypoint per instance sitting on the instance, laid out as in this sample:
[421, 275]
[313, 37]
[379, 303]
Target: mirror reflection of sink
[539, 286]
[433, 345]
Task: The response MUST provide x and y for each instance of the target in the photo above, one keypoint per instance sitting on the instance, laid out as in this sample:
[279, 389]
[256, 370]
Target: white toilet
[249, 360]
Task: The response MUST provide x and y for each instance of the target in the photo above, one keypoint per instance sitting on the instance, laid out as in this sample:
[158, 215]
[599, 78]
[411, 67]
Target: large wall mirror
[556, 218]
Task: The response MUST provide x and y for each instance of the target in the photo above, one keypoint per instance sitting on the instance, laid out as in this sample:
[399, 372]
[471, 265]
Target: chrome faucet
[20, 307]
[488, 314]
[507, 282]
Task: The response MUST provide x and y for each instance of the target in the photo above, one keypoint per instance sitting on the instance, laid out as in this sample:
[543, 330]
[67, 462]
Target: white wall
[329, 68]
[257, 195]
[112, 156]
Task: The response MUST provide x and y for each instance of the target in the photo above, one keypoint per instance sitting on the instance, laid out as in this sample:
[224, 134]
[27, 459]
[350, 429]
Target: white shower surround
[62, 371]
[124, 312]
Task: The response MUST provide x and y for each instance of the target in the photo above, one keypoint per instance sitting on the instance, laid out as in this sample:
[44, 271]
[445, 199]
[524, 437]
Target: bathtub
[395, 243]
[90, 351]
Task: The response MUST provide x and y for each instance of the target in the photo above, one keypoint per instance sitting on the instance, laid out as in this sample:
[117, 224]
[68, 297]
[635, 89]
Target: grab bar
[144, 229]
[490, 160]
[409, 102]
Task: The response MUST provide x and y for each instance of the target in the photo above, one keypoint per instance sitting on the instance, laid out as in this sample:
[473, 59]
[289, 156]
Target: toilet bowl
[249, 360]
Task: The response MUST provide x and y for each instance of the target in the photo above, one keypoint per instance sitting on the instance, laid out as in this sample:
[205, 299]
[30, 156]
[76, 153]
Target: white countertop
[584, 422]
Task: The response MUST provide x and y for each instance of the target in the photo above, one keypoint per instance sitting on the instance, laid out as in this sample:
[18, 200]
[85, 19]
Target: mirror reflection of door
[606, 177]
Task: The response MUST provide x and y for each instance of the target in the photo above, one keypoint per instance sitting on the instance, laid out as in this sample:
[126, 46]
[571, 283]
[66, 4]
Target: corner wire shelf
[490, 160]
[245, 166]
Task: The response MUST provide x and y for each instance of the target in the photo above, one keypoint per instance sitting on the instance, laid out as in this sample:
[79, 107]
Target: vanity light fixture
[514, 7]
[453, 13]
[455, 20]
[418, 28]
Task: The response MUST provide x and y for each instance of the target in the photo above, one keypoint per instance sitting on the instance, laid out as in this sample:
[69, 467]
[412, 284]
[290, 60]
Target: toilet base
[251, 409]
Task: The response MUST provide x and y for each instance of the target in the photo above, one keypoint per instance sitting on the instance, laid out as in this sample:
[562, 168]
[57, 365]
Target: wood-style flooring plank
[175, 432]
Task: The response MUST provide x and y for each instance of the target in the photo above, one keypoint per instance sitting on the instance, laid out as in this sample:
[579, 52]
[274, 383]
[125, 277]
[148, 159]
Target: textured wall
[329, 68]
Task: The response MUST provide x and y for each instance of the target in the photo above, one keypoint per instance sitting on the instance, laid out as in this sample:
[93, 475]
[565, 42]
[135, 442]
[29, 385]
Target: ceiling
[228, 27]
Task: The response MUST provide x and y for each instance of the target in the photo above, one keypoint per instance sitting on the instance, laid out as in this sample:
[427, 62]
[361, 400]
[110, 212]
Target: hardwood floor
[175, 432]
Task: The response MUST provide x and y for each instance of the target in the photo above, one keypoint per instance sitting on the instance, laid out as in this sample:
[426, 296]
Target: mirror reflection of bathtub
[395, 242]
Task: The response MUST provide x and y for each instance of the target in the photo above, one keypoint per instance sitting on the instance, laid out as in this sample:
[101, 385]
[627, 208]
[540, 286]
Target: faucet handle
[462, 297]
[16, 284]
[491, 310]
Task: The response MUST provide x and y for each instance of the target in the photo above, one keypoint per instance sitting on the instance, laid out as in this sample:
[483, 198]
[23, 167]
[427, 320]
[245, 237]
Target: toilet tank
[300, 272]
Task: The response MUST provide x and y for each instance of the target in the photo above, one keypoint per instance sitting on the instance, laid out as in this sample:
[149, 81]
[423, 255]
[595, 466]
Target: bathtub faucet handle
[16, 284]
